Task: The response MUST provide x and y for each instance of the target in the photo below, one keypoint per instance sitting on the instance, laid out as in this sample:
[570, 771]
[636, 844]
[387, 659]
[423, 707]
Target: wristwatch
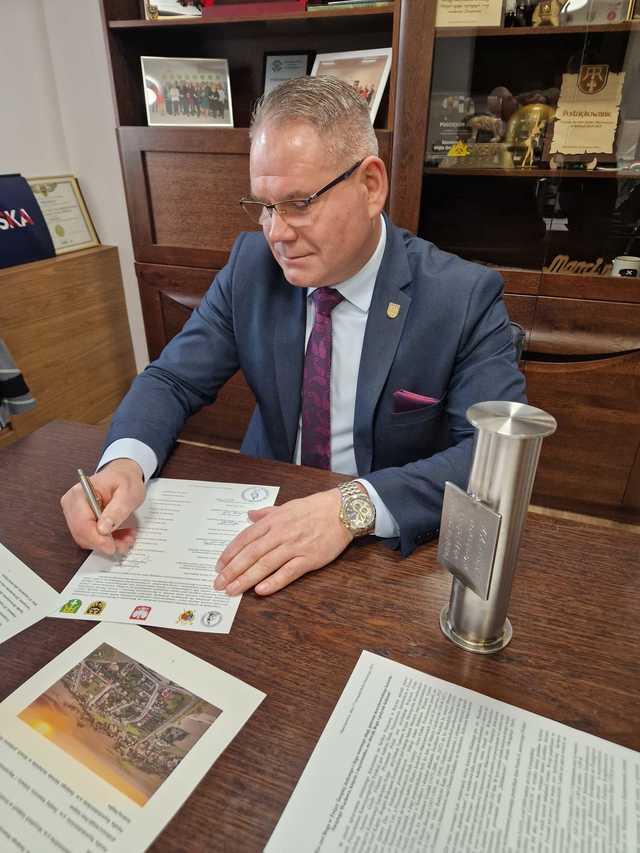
[357, 512]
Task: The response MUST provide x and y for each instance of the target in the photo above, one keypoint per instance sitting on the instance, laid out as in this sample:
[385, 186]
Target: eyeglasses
[295, 211]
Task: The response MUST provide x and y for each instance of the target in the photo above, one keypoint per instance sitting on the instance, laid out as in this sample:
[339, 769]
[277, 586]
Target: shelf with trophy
[562, 116]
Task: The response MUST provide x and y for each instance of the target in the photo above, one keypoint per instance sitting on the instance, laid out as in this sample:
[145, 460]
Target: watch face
[358, 513]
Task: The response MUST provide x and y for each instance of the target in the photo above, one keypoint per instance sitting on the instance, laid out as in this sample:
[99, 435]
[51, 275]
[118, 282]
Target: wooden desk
[574, 656]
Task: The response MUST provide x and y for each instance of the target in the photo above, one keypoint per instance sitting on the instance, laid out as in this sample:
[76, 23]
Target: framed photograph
[185, 92]
[366, 70]
[65, 213]
[576, 12]
[282, 66]
[154, 10]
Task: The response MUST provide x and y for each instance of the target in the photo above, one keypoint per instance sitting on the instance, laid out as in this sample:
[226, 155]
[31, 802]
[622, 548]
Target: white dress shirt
[348, 322]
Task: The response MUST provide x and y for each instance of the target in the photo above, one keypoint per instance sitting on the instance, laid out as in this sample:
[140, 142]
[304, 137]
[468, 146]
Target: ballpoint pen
[92, 498]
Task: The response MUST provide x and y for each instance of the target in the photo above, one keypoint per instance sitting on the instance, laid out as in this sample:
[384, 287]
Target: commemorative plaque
[468, 538]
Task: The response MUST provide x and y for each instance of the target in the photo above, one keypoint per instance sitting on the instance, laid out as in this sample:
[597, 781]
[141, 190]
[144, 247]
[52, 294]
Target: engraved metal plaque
[468, 539]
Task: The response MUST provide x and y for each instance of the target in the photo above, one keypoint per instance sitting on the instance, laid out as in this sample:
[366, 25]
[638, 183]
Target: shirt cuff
[131, 448]
[386, 525]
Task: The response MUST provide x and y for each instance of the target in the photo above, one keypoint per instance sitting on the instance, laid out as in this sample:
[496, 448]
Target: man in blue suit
[412, 337]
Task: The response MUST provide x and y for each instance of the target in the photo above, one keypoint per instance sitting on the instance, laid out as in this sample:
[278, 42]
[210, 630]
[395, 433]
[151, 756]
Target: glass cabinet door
[511, 177]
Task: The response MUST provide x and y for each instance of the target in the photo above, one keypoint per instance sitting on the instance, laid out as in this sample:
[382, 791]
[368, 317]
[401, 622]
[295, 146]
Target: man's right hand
[120, 486]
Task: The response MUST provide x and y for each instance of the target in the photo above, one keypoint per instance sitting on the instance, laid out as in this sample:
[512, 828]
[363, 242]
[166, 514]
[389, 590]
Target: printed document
[167, 577]
[408, 762]
[24, 597]
[101, 748]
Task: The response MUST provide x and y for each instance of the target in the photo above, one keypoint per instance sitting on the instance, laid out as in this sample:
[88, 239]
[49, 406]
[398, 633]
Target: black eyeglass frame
[269, 208]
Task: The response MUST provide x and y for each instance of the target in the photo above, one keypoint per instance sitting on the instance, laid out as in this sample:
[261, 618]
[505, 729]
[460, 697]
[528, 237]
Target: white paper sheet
[408, 762]
[24, 597]
[100, 748]
[167, 577]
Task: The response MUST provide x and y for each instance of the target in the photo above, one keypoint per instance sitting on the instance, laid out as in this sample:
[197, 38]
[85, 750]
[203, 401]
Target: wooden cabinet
[64, 321]
[581, 349]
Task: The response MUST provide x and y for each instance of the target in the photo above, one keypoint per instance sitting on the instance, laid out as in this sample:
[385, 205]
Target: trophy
[481, 528]
[547, 14]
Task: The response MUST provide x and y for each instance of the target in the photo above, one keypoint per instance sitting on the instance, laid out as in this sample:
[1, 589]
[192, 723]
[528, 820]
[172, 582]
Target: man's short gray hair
[338, 113]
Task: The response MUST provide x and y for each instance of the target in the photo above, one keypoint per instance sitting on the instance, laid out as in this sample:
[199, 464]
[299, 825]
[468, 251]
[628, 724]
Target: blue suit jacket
[451, 340]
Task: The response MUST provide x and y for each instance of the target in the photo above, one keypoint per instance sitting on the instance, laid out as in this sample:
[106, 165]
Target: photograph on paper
[122, 720]
[101, 747]
[366, 70]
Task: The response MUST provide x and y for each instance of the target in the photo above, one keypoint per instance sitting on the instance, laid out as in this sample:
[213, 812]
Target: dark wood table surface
[574, 656]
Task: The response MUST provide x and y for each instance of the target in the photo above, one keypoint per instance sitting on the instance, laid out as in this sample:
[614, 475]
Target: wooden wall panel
[597, 406]
[204, 212]
[585, 327]
[183, 191]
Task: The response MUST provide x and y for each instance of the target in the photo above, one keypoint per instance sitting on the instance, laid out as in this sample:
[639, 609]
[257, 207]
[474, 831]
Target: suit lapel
[289, 331]
[381, 339]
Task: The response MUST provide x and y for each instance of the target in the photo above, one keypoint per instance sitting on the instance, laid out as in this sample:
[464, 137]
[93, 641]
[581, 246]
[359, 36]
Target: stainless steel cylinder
[507, 448]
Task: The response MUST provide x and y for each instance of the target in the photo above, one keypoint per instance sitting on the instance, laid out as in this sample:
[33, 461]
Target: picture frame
[186, 91]
[155, 10]
[65, 212]
[598, 12]
[366, 70]
[284, 65]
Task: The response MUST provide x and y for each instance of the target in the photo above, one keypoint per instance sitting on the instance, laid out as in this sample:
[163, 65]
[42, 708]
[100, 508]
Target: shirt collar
[358, 289]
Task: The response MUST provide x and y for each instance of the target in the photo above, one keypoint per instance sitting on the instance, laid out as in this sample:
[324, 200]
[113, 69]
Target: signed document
[167, 577]
[24, 597]
[101, 748]
[408, 762]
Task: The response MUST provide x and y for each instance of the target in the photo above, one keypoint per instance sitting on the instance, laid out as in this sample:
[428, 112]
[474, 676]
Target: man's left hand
[283, 543]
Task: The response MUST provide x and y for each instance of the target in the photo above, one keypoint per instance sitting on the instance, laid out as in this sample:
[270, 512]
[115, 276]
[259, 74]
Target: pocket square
[407, 401]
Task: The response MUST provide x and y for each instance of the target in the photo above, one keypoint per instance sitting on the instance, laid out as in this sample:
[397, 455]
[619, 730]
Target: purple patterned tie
[316, 383]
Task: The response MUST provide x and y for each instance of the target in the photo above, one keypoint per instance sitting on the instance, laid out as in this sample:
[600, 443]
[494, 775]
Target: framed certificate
[65, 213]
[469, 13]
[279, 67]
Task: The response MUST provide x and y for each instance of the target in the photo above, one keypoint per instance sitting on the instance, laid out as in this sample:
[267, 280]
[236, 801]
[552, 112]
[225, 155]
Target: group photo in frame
[185, 92]
[366, 70]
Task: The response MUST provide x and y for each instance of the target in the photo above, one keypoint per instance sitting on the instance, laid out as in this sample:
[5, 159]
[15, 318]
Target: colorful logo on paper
[140, 612]
[95, 608]
[72, 606]
[186, 617]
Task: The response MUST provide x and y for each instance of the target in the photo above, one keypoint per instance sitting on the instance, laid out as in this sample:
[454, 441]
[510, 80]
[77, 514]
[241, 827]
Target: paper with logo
[410, 763]
[101, 748]
[587, 113]
[167, 578]
[24, 597]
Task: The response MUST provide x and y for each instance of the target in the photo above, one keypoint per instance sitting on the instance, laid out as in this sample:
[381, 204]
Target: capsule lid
[513, 420]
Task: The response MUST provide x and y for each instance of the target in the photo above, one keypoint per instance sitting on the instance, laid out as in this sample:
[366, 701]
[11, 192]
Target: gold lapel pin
[393, 309]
